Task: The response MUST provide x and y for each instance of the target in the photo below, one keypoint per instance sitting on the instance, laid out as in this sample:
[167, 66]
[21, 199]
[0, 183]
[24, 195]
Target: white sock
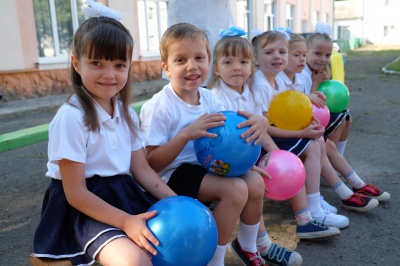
[247, 236]
[303, 216]
[354, 180]
[341, 146]
[343, 191]
[219, 256]
[263, 243]
[314, 204]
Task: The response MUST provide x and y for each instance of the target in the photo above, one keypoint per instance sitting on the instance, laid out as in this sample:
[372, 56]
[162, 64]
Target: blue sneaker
[280, 256]
[316, 230]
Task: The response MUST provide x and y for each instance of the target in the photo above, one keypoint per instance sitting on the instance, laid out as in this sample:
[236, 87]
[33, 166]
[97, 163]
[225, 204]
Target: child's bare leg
[339, 163]
[335, 135]
[313, 152]
[311, 158]
[232, 194]
[128, 253]
[253, 209]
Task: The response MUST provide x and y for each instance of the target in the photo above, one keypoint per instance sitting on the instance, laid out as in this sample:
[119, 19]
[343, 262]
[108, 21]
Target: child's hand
[318, 77]
[314, 130]
[320, 95]
[317, 98]
[137, 230]
[198, 128]
[258, 127]
[262, 173]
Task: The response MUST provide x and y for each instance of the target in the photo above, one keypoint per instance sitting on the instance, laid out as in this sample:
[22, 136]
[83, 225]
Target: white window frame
[290, 12]
[269, 14]
[60, 60]
[146, 52]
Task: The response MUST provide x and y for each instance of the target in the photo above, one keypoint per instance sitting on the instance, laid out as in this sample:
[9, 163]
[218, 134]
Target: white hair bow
[95, 9]
[323, 28]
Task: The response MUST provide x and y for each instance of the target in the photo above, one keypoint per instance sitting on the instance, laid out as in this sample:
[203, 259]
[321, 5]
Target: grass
[394, 66]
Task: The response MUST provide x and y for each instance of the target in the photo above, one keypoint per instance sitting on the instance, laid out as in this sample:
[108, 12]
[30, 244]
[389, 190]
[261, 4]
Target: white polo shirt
[165, 115]
[106, 152]
[249, 101]
[307, 78]
[299, 82]
[261, 85]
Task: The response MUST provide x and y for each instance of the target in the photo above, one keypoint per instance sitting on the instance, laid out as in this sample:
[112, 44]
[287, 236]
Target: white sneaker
[326, 206]
[332, 219]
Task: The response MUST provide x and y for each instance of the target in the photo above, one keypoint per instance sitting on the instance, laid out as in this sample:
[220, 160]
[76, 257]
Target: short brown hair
[179, 32]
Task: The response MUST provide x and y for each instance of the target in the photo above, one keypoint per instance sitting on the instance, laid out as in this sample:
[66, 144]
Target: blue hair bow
[284, 31]
[232, 31]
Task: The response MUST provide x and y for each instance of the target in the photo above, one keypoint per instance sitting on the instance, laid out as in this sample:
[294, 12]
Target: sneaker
[326, 206]
[332, 219]
[373, 192]
[359, 202]
[247, 258]
[316, 230]
[280, 256]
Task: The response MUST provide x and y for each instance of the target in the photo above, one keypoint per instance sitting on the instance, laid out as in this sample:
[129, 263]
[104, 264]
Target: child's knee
[256, 185]
[236, 193]
[313, 149]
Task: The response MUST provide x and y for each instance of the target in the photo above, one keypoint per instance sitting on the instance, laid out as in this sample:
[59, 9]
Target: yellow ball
[290, 110]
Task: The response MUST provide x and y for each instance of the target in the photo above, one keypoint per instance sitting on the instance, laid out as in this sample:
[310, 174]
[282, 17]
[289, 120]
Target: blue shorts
[336, 120]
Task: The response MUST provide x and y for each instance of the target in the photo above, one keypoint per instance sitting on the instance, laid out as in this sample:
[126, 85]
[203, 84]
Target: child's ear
[255, 61]
[75, 63]
[164, 66]
[215, 70]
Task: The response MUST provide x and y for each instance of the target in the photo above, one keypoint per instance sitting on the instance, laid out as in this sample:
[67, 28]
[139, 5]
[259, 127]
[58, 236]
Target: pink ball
[322, 114]
[287, 174]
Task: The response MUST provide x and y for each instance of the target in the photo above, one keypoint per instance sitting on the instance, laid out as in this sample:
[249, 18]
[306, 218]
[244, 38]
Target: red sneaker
[373, 192]
[359, 202]
[247, 258]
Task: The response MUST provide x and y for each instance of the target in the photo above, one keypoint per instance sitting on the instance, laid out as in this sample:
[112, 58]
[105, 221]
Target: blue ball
[227, 154]
[186, 230]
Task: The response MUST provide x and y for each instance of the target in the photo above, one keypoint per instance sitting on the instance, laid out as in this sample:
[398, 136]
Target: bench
[31, 135]
[34, 261]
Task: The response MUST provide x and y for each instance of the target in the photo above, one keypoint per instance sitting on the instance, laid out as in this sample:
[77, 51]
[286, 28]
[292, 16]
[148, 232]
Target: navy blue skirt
[296, 146]
[336, 120]
[64, 232]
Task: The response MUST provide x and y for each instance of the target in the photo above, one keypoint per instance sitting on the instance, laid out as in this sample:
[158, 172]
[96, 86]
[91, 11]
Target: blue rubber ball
[227, 154]
[186, 230]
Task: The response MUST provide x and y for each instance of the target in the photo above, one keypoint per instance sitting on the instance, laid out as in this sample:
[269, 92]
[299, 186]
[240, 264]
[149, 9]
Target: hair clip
[232, 31]
[284, 31]
[95, 9]
[323, 28]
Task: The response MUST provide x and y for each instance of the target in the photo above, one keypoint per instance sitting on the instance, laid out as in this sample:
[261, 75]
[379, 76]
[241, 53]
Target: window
[243, 15]
[56, 21]
[269, 14]
[290, 16]
[153, 21]
[315, 17]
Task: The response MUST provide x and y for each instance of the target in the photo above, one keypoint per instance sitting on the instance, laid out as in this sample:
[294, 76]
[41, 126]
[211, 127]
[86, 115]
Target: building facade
[36, 36]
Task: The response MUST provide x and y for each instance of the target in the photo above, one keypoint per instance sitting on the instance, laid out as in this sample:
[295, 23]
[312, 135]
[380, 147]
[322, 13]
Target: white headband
[95, 9]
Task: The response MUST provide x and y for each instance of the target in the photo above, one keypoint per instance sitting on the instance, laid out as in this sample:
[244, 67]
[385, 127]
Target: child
[271, 53]
[182, 112]
[319, 51]
[94, 208]
[232, 67]
[291, 78]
